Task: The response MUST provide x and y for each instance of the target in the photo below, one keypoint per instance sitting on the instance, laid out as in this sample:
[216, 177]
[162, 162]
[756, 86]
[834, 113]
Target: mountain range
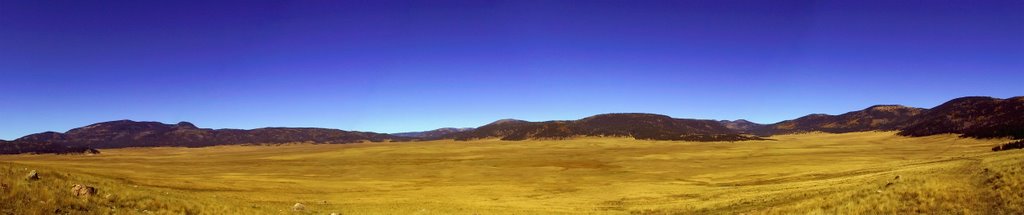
[874, 118]
[636, 125]
[432, 134]
[126, 133]
[977, 117]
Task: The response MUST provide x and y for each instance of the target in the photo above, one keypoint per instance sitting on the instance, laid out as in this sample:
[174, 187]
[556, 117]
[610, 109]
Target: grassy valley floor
[816, 173]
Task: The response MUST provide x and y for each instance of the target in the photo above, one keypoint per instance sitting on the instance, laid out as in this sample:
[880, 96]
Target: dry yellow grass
[853, 173]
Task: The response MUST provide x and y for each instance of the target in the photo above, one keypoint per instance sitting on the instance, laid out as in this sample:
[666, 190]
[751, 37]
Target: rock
[298, 207]
[335, 214]
[83, 191]
[897, 177]
[91, 151]
[32, 176]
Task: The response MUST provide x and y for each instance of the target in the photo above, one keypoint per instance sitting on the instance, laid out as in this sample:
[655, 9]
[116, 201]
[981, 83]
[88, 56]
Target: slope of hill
[636, 125]
[979, 117]
[126, 133]
[431, 134]
[874, 118]
[13, 147]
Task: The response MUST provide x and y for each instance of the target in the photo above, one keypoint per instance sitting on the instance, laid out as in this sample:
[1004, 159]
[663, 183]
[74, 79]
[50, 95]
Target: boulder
[83, 190]
[91, 151]
[32, 176]
[298, 207]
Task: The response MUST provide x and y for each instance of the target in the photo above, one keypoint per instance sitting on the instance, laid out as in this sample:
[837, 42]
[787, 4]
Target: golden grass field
[815, 173]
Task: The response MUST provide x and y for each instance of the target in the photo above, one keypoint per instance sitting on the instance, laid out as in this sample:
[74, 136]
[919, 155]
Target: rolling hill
[636, 125]
[127, 133]
[978, 117]
[432, 134]
[743, 126]
[874, 118]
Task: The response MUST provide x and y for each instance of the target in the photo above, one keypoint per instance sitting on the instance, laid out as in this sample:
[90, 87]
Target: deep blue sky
[407, 66]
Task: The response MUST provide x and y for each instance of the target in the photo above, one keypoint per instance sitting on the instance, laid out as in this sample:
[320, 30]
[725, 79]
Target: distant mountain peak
[453, 129]
[186, 125]
[737, 121]
[742, 126]
[886, 107]
[504, 121]
[432, 134]
[630, 115]
[971, 99]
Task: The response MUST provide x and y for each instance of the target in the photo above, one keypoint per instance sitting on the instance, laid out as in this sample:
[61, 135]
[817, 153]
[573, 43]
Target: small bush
[1011, 145]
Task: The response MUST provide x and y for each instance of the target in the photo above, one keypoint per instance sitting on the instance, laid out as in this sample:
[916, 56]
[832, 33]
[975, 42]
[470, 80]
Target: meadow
[813, 173]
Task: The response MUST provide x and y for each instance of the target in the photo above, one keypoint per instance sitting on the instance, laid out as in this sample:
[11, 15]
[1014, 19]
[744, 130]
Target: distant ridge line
[974, 116]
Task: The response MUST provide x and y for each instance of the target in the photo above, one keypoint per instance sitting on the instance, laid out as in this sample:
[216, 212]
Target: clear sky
[390, 66]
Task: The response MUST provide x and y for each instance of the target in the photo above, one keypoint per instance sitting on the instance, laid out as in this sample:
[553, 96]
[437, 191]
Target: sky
[393, 66]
